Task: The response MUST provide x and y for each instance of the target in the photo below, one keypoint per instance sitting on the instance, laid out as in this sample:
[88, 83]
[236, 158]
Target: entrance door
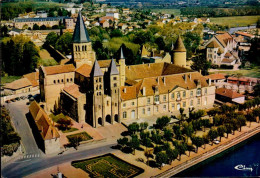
[133, 114]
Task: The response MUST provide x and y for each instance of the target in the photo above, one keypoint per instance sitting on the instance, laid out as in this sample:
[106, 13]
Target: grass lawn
[235, 21]
[46, 59]
[8, 79]
[255, 72]
[72, 129]
[84, 135]
[107, 166]
[176, 12]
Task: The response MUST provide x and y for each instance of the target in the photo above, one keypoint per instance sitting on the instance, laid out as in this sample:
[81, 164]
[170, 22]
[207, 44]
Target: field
[235, 21]
[107, 166]
[8, 79]
[248, 73]
[176, 12]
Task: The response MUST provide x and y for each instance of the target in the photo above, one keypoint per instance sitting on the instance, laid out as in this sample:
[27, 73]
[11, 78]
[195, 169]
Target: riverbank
[204, 155]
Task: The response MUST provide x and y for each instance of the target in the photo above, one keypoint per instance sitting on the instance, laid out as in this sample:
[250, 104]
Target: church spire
[179, 46]
[112, 69]
[80, 34]
[96, 71]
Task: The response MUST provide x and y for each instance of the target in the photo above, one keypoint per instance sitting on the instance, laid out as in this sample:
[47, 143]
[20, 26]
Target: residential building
[228, 95]
[104, 24]
[221, 49]
[216, 78]
[112, 14]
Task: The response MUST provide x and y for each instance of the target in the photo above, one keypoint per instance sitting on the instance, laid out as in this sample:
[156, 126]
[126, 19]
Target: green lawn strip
[8, 79]
[72, 129]
[107, 166]
[57, 117]
[248, 73]
[85, 136]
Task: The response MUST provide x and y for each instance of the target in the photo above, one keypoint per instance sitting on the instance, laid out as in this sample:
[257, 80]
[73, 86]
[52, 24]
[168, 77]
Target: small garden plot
[82, 136]
[107, 166]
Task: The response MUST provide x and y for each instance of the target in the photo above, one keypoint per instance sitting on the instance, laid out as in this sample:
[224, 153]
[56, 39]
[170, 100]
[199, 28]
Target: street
[22, 168]
[18, 110]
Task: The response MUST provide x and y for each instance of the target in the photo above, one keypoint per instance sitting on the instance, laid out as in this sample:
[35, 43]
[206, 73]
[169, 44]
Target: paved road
[23, 168]
[18, 110]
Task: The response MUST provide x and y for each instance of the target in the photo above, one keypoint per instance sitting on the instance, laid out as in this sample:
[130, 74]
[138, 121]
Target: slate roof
[228, 93]
[80, 34]
[179, 46]
[96, 71]
[42, 121]
[112, 69]
[40, 19]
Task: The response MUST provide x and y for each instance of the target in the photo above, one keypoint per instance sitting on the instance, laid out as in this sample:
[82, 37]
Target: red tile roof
[33, 78]
[228, 93]
[58, 69]
[216, 76]
[73, 90]
[84, 70]
[18, 84]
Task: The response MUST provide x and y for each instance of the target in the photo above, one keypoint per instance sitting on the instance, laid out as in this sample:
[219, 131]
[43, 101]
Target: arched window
[124, 114]
[71, 79]
[54, 81]
[82, 48]
[100, 87]
[97, 87]
[68, 80]
[86, 48]
[61, 80]
[58, 81]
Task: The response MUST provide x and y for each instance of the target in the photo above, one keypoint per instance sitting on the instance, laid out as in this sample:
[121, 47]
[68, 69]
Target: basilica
[100, 91]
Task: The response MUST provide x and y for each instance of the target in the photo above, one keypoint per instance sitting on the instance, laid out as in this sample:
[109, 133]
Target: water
[222, 165]
[234, 29]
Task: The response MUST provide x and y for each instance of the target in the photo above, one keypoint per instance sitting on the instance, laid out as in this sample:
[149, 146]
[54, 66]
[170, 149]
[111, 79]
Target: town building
[221, 50]
[46, 133]
[108, 91]
[21, 23]
[228, 95]
[216, 78]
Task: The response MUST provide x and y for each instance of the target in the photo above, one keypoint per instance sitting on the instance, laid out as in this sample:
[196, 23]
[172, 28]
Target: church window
[61, 80]
[115, 84]
[97, 87]
[99, 93]
[115, 91]
[107, 103]
[71, 79]
[178, 95]
[124, 114]
[85, 48]
[115, 104]
[68, 80]
[115, 78]
[100, 87]
[82, 48]
[58, 81]
[100, 79]
[54, 81]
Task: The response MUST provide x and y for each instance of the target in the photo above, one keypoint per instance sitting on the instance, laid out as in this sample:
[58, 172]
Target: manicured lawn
[84, 136]
[107, 166]
[248, 73]
[176, 12]
[8, 79]
[69, 130]
[235, 21]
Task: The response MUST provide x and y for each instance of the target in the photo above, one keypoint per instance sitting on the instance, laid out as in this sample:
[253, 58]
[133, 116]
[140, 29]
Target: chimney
[157, 80]
[144, 91]
[124, 90]
[190, 76]
[209, 82]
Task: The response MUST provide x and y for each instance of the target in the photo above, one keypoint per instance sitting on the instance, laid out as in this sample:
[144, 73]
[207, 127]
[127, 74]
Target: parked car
[216, 141]
[13, 100]
[29, 96]
[17, 98]
[31, 99]
[8, 101]
[23, 97]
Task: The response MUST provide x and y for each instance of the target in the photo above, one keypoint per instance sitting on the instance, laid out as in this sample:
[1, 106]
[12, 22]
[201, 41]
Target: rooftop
[18, 84]
[51, 70]
[80, 34]
[228, 93]
[73, 90]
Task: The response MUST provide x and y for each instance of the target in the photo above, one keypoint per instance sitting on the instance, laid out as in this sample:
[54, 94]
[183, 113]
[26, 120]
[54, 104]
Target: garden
[107, 166]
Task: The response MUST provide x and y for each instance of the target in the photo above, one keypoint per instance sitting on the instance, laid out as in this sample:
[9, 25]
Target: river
[234, 29]
[223, 165]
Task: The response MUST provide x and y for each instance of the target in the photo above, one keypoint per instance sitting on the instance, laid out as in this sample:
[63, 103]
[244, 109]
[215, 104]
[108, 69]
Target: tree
[172, 154]
[221, 131]
[133, 128]
[181, 147]
[213, 133]
[156, 138]
[256, 89]
[241, 119]
[190, 148]
[36, 27]
[64, 123]
[43, 27]
[205, 123]
[160, 42]
[162, 122]
[143, 126]
[200, 63]
[188, 130]
[51, 39]
[161, 158]
[64, 43]
[134, 143]
[146, 142]
[250, 117]
[205, 140]
[177, 131]
[197, 141]
[122, 141]
[228, 128]
[116, 33]
[167, 135]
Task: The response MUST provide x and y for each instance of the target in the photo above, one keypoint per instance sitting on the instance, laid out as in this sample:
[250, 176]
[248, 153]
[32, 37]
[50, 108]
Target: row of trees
[10, 140]
[219, 12]
[20, 55]
[171, 142]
